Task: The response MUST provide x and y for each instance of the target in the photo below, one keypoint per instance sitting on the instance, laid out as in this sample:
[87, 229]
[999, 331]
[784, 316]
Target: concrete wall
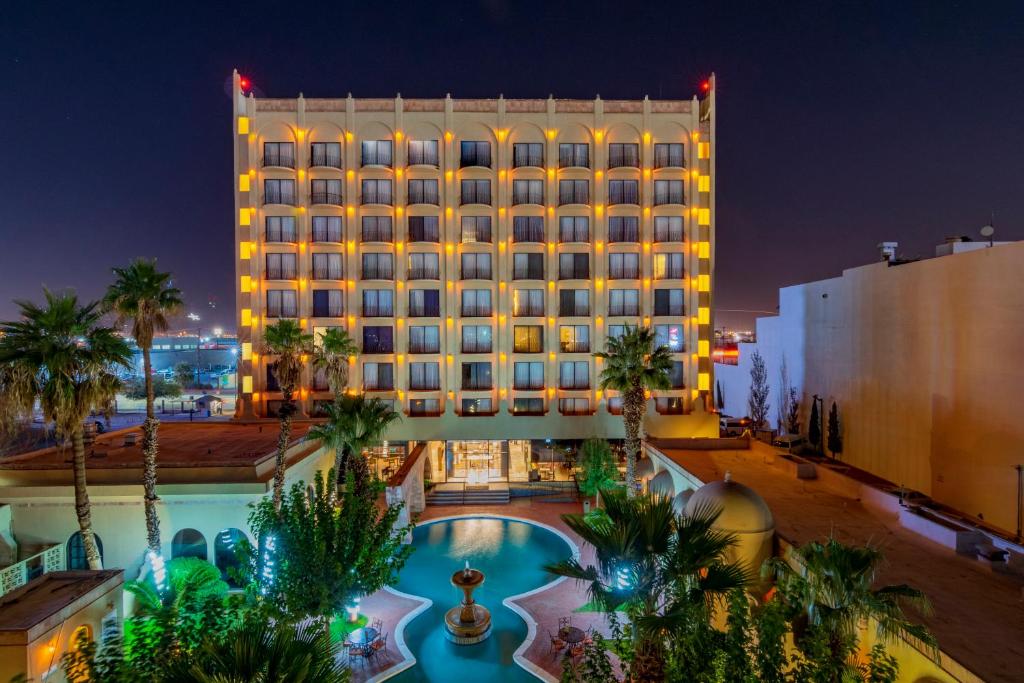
[922, 360]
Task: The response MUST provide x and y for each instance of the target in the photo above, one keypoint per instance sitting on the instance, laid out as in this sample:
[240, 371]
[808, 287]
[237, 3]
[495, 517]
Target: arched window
[224, 552]
[189, 543]
[75, 554]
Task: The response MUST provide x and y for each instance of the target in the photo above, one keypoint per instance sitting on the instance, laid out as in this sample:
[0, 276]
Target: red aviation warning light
[244, 82]
[705, 85]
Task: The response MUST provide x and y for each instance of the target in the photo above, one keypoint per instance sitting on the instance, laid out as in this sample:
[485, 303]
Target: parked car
[733, 426]
[793, 443]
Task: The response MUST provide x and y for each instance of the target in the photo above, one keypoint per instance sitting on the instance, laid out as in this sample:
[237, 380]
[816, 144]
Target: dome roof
[680, 501]
[661, 484]
[742, 509]
[644, 468]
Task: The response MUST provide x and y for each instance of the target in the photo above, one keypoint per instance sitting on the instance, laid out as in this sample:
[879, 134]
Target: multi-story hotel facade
[479, 251]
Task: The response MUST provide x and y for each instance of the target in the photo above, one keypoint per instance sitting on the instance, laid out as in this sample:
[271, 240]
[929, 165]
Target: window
[616, 331]
[279, 154]
[668, 266]
[327, 303]
[423, 229]
[476, 229]
[476, 303]
[668, 192]
[423, 191]
[623, 229]
[668, 228]
[375, 192]
[423, 153]
[272, 384]
[528, 376]
[424, 376]
[527, 192]
[527, 302]
[378, 376]
[669, 154]
[574, 266]
[280, 229]
[669, 405]
[528, 406]
[327, 267]
[424, 339]
[574, 338]
[75, 555]
[668, 302]
[574, 154]
[573, 192]
[225, 553]
[528, 229]
[325, 191]
[670, 336]
[279, 191]
[476, 376]
[573, 302]
[378, 267]
[623, 154]
[677, 376]
[623, 192]
[325, 154]
[424, 407]
[378, 339]
[574, 374]
[282, 303]
[476, 192]
[476, 339]
[623, 266]
[424, 267]
[473, 406]
[624, 302]
[574, 406]
[376, 153]
[528, 266]
[424, 303]
[327, 228]
[281, 267]
[528, 338]
[378, 303]
[528, 154]
[476, 266]
[574, 229]
[474, 153]
[378, 229]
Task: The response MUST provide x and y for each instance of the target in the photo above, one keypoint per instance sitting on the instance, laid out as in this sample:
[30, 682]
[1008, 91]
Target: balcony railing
[49, 560]
[574, 347]
[330, 198]
[624, 310]
[329, 160]
[280, 160]
[424, 348]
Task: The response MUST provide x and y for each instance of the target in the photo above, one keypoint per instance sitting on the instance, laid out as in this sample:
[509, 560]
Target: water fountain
[469, 622]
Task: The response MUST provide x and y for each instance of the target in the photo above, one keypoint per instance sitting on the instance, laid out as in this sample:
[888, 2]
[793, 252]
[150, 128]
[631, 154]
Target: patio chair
[378, 625]
[557, 644]
[576, 650]
[357, 653]
[380, 646]
[564, 622]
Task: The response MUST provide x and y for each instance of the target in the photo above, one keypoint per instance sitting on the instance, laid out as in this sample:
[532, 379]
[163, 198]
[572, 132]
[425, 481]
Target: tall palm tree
[62, 356]
[832, 593]
[664, 571]
[285, 340]
[331, 356]
[142, 294]
[634, 366]
[353, 423]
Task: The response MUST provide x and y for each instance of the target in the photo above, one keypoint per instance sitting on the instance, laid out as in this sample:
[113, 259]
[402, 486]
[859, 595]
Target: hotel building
[479, 251]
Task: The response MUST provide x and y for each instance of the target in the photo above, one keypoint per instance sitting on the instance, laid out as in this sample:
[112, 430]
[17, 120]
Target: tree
[633, 366]
[598, 467]
[793, 412]
[61, 355]
[814, 426]
[835, 439]
[757, 403]
[719, 397]
[831, 595]
[664, 571]
[143, 295]
[353, 423]
[332, 356]
[285, 340]
[135, 388]
[185, 374]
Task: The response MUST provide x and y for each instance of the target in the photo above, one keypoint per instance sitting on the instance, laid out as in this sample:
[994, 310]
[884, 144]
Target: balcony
[325, 159]
[279, 161]
[424, 348]
[325, 198]
[574, 347]
[50, 559]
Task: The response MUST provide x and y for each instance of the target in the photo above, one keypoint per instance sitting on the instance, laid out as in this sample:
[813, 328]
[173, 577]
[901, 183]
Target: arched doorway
[225, 555]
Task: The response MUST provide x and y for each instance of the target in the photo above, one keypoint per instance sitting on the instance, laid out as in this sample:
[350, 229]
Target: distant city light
[218, 331]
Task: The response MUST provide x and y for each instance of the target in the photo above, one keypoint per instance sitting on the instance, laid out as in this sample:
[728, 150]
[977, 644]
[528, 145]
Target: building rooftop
[45, 602]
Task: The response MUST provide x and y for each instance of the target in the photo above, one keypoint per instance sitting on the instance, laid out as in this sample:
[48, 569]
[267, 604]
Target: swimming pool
[510, 553]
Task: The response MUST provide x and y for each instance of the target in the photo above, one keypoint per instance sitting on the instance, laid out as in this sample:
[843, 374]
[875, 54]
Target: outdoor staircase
[446, 494]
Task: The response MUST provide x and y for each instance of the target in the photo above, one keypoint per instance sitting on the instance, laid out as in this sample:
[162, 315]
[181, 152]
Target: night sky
[839, 126]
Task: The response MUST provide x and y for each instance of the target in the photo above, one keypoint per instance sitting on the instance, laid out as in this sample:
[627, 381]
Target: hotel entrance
[480, 462]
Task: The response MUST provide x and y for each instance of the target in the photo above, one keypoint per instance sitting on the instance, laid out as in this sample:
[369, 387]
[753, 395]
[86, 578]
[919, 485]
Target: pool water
[510, 554]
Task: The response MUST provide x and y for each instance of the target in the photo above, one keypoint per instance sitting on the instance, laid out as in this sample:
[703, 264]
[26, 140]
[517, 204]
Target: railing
[623, 310]
[575, 347]
[20, 573]
[331, 198]
[280, 160]
[324, 159]
[424, 348]
[573, 312]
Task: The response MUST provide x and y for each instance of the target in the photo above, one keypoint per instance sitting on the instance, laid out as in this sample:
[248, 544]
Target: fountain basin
[468, 623]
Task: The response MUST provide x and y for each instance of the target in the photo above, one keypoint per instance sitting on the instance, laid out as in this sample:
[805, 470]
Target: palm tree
[832, 593]
[664, 571]
[353, 423]
[142, 294]
[286, 340]
[61, 356]
[332, 356]
[633, 367]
